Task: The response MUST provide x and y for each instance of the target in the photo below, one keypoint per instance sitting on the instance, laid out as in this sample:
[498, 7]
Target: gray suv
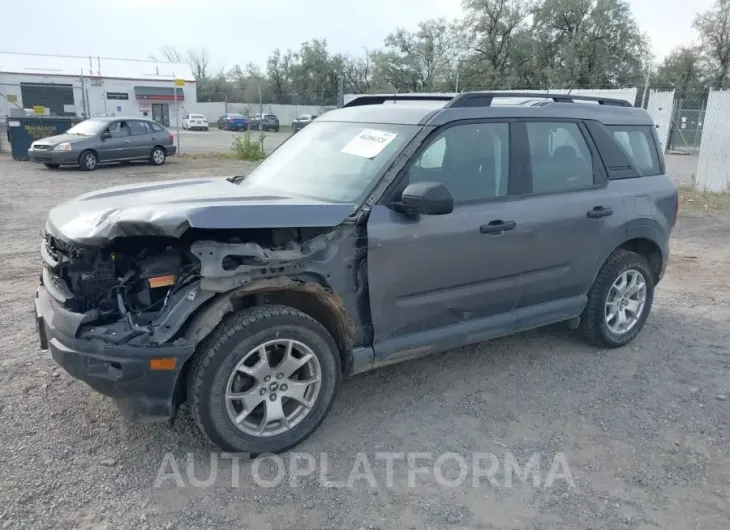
[102, 140]
[392, 228]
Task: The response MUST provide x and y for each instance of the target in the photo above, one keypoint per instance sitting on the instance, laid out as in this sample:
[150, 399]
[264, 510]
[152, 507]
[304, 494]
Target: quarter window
[472, 161]
[559, 157]
[638, 143]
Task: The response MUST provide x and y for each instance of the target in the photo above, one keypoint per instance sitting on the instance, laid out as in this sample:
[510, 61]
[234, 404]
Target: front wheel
[619, 301]
[264, 380]
[88, 161]
[157, 156]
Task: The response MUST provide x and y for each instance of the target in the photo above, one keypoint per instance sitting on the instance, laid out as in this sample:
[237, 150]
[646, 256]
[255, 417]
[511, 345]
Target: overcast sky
[239, 31]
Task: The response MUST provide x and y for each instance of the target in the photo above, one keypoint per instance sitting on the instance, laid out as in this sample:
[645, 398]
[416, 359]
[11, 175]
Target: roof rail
[379, 99]
[484, 99]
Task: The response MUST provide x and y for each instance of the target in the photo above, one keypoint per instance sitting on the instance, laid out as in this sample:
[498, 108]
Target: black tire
[88, 160]
[52, 166]
[276, 129]
[593, 326]
[157, 156]
[216, 357]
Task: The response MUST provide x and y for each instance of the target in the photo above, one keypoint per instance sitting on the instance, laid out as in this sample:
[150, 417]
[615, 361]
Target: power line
[86, 57]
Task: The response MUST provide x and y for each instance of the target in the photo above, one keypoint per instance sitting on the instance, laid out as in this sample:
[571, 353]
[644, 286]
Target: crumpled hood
[169, 208]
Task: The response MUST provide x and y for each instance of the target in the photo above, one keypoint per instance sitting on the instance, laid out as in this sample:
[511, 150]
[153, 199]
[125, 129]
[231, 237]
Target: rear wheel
[52, 166]
[88, 161]
[264, 380]
[619, 301]
[157, 156]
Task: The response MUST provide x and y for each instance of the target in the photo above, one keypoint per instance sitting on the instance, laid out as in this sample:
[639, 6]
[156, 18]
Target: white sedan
[195, 121]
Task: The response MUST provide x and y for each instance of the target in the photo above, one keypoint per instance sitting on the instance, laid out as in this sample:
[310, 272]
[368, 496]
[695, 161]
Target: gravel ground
[644, 430]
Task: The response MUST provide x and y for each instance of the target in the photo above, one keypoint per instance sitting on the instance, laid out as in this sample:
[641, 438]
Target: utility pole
[645, 98]
[341, 90]
[261, 116]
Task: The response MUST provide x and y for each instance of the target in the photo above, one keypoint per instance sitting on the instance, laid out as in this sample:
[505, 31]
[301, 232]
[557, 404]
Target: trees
[682, 70]
[714, 29]
[420, 61]
[500, 44]
[590, 43]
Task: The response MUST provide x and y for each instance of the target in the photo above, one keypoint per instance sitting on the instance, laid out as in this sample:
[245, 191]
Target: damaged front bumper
[120, 371]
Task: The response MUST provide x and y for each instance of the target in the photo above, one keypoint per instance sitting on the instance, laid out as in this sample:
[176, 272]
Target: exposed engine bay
[131, 291]
[125, 280]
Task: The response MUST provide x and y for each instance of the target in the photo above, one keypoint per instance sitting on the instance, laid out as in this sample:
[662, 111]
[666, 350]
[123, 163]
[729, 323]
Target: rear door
[119, 146]
[442, 271]
[141, 136]
[569, 213]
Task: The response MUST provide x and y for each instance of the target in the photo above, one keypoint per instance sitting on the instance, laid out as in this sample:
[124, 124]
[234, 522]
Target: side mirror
[106, 135]
[426, 198]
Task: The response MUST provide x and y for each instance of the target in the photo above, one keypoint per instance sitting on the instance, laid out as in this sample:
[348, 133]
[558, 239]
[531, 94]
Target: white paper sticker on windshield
[369, 143]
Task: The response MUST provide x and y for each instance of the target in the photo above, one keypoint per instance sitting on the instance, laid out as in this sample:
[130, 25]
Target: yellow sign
[13, 98]
[179, 82]
[39, 109]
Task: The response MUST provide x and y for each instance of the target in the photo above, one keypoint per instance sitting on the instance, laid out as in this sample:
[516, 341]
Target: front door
[161, 113]
[434, 274]
[119, 146]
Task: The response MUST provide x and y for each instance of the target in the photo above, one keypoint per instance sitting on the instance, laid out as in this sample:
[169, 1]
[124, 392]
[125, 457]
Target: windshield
[235, 116]
[88, 128]
[305, 117]
[331, 161]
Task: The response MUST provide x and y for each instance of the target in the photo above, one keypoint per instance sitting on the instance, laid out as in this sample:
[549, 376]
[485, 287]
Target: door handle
[497, 226]
[598, 212]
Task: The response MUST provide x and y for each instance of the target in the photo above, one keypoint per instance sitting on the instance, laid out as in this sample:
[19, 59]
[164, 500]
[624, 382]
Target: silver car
[102, 140]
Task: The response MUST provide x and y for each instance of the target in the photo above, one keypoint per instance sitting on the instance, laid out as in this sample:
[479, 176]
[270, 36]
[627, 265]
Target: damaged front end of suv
[127, 292]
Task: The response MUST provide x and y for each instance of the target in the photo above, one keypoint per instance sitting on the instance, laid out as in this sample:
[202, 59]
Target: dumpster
[25, 130]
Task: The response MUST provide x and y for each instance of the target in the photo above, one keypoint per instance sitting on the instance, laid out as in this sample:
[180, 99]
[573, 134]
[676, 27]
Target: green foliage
[246, 149]
[714, 28]
[500, 44]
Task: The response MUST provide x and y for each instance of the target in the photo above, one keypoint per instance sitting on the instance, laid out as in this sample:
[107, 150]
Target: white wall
[96, 89]
[713, 171]
[660, 108]
[285, 113]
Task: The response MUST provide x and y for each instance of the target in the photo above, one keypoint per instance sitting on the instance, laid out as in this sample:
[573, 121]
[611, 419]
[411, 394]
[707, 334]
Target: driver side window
[471, 160]
[119, 129]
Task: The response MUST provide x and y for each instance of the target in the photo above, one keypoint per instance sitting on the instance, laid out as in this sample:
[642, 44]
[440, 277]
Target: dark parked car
[232, 122]
[379, 233]
[101, 140]
[270, 121]
[302, 121]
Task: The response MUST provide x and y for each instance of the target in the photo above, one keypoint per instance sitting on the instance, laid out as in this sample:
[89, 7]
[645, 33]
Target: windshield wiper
[236, 179]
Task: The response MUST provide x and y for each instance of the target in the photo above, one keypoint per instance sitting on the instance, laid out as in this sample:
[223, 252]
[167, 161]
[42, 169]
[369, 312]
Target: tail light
[171, 137]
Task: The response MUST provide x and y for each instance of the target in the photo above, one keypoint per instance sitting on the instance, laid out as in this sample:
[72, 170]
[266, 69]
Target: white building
[93, 86]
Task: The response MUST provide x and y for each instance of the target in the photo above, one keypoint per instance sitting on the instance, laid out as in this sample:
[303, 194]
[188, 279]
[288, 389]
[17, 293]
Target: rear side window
[559, 157]
[638, 144]
[155, 126]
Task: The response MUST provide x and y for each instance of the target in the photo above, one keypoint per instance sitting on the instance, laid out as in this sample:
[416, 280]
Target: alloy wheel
[625, 302]
[273, 387]
[158, 156]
